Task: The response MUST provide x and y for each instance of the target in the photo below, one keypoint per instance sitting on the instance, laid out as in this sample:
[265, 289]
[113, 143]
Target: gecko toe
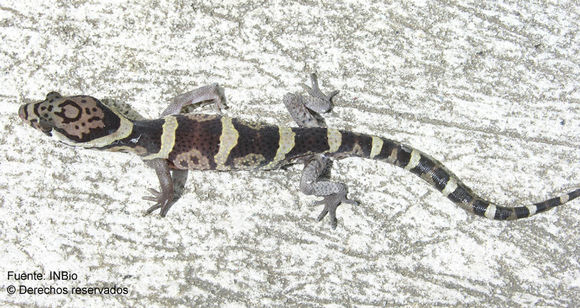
[331, 95]
[162, 201]
[322, 214]
[331, 203]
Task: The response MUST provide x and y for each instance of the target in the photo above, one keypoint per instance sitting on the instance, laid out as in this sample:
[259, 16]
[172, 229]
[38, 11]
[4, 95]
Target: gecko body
[216, 142]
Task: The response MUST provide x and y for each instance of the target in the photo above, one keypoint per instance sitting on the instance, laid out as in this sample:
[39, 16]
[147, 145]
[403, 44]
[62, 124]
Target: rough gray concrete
[489, 89]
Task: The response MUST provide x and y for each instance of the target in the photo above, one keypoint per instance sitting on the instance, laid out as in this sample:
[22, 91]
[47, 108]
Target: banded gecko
[178, 141]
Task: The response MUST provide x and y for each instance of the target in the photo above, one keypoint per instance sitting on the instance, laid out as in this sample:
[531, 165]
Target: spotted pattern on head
[78, 120]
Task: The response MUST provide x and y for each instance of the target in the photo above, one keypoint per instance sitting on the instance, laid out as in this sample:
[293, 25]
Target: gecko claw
[332, 94]
[315, 91]
[331, 203]
[163, 201]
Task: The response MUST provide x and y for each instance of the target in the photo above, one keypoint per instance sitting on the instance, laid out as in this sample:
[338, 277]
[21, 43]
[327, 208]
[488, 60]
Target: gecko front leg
[333, 193]
[211, 92]
[164, 198]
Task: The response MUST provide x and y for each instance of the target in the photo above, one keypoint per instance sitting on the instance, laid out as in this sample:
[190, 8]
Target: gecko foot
[318, 102]
[163, 202]
[306, 110]
[331, 203]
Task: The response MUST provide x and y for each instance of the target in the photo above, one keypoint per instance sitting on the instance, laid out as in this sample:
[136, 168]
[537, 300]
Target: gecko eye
[45, 127]
[53, 95]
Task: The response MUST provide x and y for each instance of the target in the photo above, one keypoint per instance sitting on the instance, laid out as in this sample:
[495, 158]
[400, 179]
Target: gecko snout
[22, 112]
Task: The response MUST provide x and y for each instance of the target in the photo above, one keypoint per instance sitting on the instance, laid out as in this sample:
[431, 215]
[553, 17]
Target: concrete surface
[489, 89]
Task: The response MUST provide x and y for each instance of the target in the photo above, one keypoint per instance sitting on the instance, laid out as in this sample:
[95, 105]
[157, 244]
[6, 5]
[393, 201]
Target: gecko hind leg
[212, 92]
[305, 110]
[333, 193]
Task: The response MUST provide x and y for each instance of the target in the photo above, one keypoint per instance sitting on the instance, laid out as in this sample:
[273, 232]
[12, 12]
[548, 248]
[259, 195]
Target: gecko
[195, 141]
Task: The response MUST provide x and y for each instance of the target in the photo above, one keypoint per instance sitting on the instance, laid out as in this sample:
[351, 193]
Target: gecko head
[78, 120]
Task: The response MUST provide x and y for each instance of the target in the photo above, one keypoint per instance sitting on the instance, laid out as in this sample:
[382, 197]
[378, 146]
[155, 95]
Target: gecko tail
[438, 176]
